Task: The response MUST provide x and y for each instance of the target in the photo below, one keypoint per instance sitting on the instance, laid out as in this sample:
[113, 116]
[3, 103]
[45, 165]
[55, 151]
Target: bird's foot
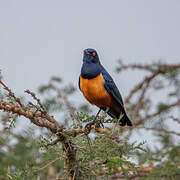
[94, 122]
[89, 125]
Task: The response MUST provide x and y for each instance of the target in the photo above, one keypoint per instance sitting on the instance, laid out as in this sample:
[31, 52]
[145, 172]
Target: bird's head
[91, 56]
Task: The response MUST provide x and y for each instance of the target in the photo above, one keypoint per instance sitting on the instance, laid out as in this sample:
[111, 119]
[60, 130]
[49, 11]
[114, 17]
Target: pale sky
[41, 38]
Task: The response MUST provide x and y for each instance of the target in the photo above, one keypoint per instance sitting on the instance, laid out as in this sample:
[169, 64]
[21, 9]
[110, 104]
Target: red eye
[93, 53]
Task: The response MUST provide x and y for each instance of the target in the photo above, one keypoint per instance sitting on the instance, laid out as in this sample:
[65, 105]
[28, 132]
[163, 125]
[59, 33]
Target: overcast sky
[41, 38]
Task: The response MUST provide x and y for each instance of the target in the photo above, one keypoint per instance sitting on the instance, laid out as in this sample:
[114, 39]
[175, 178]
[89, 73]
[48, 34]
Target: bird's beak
[86, 51]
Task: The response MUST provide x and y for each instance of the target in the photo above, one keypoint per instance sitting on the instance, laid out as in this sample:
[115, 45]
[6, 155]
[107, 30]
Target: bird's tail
[125, 120]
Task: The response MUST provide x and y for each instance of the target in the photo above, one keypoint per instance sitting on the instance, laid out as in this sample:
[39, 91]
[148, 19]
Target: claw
[88, 126]
[96, 123]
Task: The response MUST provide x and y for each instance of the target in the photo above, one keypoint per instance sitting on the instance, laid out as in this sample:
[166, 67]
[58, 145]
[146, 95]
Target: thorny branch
[150, 68]
[37, 99]
[60, 95]
[149, 116]
[11, 94]
[159, 129]
[155, 70]
[41, 118]
[146, 81]
[175, 119]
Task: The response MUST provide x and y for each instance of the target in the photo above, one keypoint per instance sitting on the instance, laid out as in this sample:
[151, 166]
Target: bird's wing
[111, 88]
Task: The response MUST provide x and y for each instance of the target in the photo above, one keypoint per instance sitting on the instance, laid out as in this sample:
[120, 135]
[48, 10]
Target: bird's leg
[107, 109]
[94, 122]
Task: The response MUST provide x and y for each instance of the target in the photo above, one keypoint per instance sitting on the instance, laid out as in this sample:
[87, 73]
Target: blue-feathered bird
[99, 88]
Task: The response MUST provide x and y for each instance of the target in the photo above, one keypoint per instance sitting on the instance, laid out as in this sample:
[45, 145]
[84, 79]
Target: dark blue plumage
[91, 65]
[91, 69]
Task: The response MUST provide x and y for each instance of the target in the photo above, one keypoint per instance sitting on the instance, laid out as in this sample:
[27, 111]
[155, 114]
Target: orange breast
[94, 91]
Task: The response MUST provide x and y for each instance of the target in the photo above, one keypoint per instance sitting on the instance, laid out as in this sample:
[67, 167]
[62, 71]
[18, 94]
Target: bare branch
[146, 81]
[11, 94]
[60, 95]
[36, 117]
[159, 130]
[175, 119]
[153, 68]
[135, 66]
[177, 103]
[52, 143]
[35, 98]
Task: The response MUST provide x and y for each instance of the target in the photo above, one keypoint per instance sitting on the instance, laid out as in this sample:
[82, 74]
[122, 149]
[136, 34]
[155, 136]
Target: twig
[43, 111]
[154, 69]
[51, 162]
[42, 119]
[159, 129]
[149, 116]
[146, 81]
[37, 99]
[60, 95]
[151, 68]
[135, 66]
[75, 132]
[52, 143]
[175, 119]
[37, 117]
[11, 94]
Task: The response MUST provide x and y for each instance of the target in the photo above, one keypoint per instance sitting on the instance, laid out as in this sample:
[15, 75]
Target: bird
[99, 89]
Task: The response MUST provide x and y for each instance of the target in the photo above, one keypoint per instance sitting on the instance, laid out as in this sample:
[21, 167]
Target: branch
[175, 119]
[159, 129]
[154, 69]
[151, 67]
[75, 132]
[60, 95]
[177, 103]
[11, 94]
[41, 118]
[135, 66]
[35, 98]
[146, 81]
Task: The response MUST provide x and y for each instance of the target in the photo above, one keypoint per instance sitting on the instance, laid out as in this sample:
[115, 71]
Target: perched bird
[99, 89]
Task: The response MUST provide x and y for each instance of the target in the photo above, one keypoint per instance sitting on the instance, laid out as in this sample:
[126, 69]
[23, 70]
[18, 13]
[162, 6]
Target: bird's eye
[93, 54]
